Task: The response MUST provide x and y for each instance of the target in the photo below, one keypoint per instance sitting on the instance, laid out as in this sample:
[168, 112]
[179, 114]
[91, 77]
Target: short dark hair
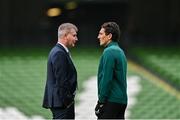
[113, 28]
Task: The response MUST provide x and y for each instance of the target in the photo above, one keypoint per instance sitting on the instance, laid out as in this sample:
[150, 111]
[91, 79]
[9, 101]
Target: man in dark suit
[61, 81]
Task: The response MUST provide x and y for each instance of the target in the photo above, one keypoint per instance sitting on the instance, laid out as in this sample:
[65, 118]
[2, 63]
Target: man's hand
[99, 109]
[68, 101]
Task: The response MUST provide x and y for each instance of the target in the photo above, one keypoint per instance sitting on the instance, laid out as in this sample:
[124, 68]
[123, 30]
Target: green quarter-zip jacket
[112, 85]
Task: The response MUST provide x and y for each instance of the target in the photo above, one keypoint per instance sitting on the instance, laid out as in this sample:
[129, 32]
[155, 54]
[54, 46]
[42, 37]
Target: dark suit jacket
[61, 78]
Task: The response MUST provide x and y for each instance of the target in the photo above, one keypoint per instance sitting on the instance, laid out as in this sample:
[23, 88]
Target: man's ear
[65, 35]
[110, 36]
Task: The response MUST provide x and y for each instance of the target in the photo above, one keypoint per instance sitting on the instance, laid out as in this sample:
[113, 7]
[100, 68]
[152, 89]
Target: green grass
[22, 83]
[154, 102]
[163, 61]
[86, 61]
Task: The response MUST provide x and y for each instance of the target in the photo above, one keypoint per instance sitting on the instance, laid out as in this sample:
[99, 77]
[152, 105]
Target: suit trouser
[113, 110]
[63, 113]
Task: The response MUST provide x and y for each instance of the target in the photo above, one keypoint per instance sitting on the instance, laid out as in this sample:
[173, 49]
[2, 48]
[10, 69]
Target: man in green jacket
[112, 85]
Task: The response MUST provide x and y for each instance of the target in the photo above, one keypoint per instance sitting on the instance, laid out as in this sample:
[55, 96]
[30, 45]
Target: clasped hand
[99, 109]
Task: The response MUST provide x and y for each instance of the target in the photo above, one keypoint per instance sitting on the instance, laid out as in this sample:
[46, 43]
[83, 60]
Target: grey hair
[66, 28]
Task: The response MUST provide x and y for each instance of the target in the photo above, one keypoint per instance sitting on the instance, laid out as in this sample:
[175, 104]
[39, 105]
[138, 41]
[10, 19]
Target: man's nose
[98, 37]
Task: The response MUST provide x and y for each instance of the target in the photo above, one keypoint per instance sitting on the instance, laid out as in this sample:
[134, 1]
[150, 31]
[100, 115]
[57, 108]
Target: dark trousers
[113, 110]
[63, 113]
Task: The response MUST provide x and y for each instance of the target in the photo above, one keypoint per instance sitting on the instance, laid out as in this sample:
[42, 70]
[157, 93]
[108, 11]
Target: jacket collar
[112, 43]
[60, 46]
